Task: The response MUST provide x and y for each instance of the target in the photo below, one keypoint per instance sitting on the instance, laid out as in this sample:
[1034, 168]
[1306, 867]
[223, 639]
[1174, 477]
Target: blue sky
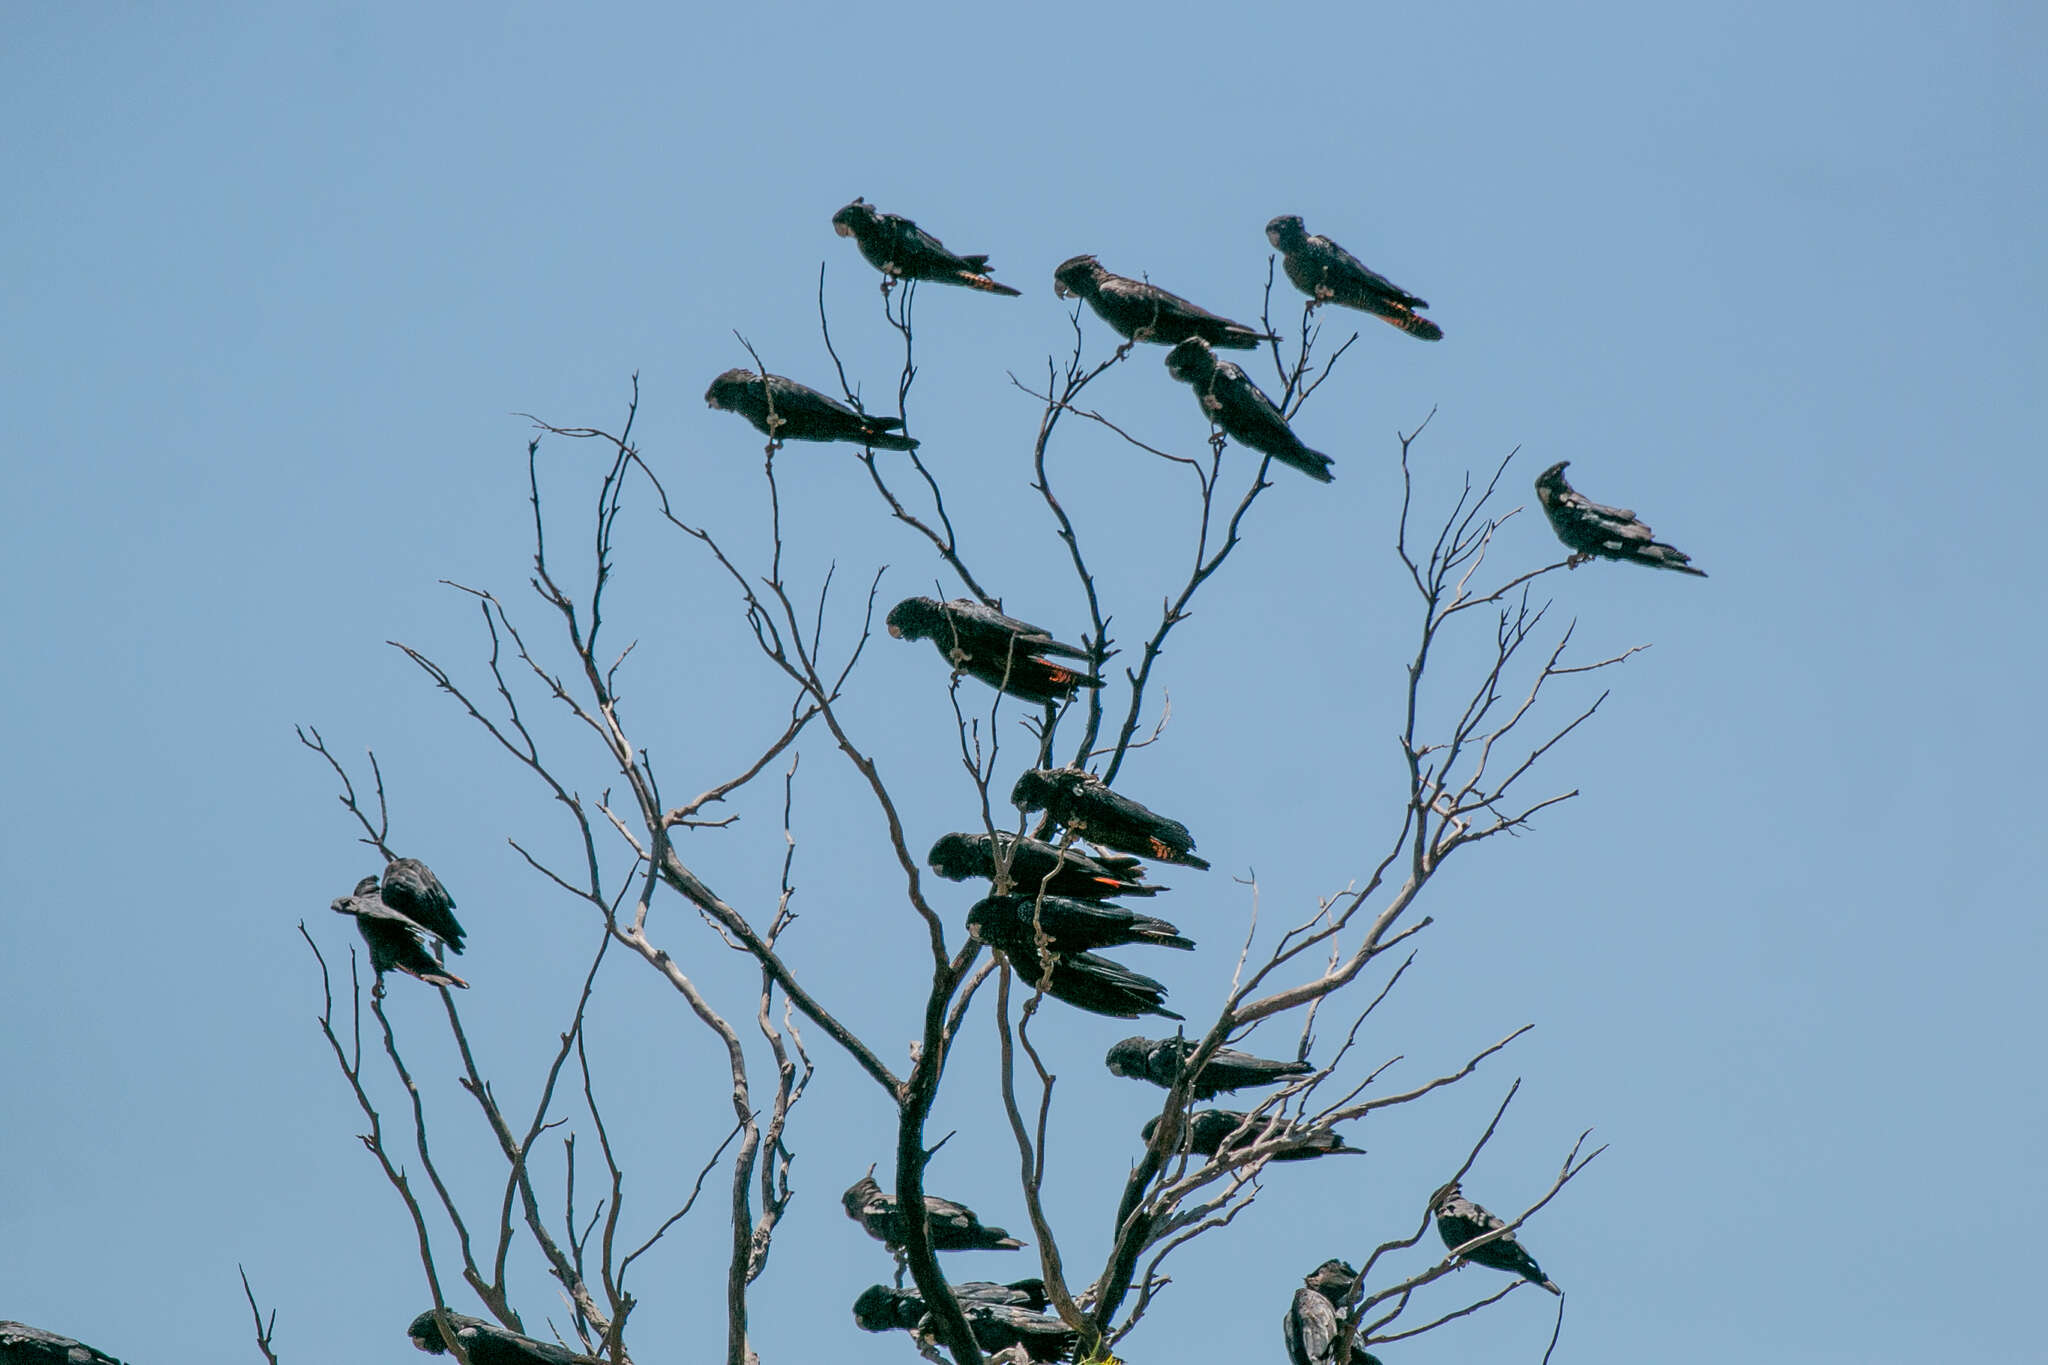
[280, 277]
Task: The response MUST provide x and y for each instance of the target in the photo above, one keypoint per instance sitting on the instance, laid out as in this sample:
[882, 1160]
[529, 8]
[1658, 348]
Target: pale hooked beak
[842, 229]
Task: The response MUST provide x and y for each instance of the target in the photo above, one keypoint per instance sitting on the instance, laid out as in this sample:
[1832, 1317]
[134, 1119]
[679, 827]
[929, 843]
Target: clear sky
[277, 279]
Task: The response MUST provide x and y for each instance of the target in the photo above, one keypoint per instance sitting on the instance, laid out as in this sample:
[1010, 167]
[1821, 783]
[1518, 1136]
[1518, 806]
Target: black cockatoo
[1590, 529]
[1159, 1060]
[1010, 922]
[1091, 983]
[1080, 802]
[489, 1344]
[954, 1227]
[1036, 866]
[411, 888]
[1241, 408]
[394, 939]
[1313, 1327]
[1001, 1315]
[900, 248]
[1207, 1130]
[801, 412]
[1145, 312]
[1002, 651]
[1459, 1220]
[880, 1308]
[1325, 271]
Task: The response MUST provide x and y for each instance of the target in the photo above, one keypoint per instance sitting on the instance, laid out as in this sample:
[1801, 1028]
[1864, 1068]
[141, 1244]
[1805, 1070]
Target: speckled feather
[1593, 529]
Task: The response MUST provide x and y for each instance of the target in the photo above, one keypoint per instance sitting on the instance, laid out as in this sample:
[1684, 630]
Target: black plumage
[394, 940]
[801, 412]
[1313, 1327]
[1000, 1315]
[1007, 654]
[1091, 983]
[489, 1344]
[411, 888]
[1079, 801]
[1459, 1220]
[1036, 866]
[901, 249]
[1590, 529]
[1010, 922]
[1144, 312]
[1159, 1061]
[1209, 1132]
[1241, 408]
[880, 1308]
[954, 1227]
[1327, 272]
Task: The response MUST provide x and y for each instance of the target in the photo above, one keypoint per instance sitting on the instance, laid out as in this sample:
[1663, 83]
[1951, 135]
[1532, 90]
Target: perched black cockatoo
[954, 1227]
[1145, 312]
[1589, 529]
[1241, 408]
[1207, 1130]
[900, 248]
[1036, 866]
[21, 1344]
[1459, 1220]
[489, 1344]
[1159, 1060]
[1091, 983]
[1007, 654]
[801, 412]
[880, 1308]
[395, 940]
[411, 888]
[1327, 272]
[999, 1315]
[1009, 922]
[1080, 802]
[1313, 1327]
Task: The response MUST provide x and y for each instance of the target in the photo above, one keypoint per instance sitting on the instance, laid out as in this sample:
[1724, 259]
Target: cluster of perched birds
[1052, 908]
[1138, 310]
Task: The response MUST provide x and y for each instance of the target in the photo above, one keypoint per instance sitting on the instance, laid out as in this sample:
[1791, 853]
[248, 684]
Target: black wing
[411, 888]
[982, 624]
[1311, 1329]
[1353, 272]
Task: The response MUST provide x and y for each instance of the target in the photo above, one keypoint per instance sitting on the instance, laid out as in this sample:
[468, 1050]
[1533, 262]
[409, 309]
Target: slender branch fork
[1462, 769]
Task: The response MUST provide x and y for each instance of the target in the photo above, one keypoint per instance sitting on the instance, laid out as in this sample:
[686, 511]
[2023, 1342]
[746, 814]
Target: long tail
[987, 285]
[1416, 325]
[1241, 339]
[1664, 556]
[1313, 463]
[883, 440]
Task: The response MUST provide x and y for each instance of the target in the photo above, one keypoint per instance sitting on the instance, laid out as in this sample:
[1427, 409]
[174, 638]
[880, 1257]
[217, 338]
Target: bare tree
[1470, 752]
